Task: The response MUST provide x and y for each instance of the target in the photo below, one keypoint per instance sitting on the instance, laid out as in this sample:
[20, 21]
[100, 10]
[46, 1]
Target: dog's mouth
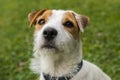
[49, 46]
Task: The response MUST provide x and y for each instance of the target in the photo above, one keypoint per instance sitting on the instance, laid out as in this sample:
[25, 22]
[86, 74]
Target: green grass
[101, 39]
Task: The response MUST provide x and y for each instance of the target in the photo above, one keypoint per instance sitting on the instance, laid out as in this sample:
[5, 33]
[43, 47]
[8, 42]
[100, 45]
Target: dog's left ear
[33, 15]
[81, 20]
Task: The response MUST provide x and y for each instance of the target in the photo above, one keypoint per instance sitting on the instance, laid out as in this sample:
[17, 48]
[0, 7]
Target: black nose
[49, 33]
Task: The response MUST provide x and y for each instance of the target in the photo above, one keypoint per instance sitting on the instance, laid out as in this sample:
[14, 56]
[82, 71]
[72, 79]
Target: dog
[58, 47]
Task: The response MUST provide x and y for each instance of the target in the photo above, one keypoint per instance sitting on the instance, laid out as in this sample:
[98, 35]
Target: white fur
[66, 59]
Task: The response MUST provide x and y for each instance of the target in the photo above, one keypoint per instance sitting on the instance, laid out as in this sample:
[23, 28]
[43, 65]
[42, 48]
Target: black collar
[49, 77]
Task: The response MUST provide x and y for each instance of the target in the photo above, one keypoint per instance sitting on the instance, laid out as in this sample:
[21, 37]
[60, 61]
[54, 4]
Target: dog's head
[57, 30]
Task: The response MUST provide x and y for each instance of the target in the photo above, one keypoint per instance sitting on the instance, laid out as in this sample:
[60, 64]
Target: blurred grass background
[101, 39]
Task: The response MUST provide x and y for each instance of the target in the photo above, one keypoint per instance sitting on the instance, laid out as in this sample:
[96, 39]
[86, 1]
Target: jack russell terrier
[57, 46]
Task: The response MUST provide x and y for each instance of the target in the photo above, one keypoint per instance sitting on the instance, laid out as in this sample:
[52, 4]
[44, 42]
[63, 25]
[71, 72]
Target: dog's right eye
[41, 21]
[68, 24]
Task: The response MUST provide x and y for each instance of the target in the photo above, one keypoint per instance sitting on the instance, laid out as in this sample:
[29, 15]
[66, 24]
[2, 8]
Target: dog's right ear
[82, 20]
[33, 15]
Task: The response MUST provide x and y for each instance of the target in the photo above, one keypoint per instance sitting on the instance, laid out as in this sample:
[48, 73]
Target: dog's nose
[49, 33]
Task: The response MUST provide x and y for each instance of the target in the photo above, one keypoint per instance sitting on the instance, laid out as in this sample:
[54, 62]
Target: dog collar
[49, 77]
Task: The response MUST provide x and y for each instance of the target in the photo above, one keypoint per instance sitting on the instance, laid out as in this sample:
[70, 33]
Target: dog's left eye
[68, 24]
[41, 21]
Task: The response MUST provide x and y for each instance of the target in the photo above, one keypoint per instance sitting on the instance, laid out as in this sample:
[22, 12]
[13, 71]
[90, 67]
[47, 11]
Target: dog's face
[57, 30]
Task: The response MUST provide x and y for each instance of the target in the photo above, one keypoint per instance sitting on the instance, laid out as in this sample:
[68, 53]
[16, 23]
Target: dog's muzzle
[49, 34]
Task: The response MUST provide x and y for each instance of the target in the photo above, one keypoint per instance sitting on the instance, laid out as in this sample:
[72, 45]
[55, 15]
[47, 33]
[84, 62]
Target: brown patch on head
[37, 16]
[82, 21]
[68, 16]
[33, 15]
[44, 16]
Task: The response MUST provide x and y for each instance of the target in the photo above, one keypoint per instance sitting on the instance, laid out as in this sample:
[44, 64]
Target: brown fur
[34, 17]
[75, 30]
[79, 23]
[45, 16]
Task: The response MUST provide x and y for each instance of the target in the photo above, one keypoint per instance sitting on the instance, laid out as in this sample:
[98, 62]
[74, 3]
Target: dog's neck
[60, 63]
